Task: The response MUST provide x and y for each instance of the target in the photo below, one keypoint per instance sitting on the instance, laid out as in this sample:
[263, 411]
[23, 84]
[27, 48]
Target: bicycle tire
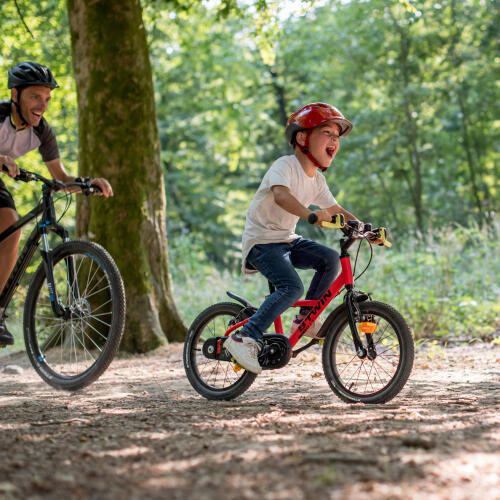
[71, 353]
[341, 364]
[202, 328]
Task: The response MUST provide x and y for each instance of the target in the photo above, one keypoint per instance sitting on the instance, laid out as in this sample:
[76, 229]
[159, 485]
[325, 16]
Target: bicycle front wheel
[360, 379]
[72, 351]
[212, 378]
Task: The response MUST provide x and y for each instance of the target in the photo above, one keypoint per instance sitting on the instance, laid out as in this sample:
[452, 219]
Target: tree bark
[118, 140]
[413, 152]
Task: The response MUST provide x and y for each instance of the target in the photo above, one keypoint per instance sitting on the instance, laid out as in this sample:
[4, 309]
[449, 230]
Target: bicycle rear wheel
[72, 351]
[354, 379]
[212, 378]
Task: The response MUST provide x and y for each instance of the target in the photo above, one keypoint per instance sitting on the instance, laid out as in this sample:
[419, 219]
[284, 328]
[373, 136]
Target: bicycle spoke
[212, 371]
[362, 376]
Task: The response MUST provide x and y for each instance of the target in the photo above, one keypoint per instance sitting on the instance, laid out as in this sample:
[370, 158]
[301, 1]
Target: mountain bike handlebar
[354, 229]
[53, 184]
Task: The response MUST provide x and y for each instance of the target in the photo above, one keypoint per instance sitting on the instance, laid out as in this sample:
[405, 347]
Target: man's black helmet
[30, 73]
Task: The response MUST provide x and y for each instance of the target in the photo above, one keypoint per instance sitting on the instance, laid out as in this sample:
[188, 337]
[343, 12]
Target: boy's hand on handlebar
[375, 241]
[322, 216]
[9, 166]
[380, 237]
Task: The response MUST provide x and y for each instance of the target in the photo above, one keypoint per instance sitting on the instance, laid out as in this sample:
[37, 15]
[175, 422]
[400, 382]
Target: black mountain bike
[74, 312]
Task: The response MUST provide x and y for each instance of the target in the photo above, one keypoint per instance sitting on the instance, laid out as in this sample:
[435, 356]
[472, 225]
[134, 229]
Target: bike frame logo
[306, 323]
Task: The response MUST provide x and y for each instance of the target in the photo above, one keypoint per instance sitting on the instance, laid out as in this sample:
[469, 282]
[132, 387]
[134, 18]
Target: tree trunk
[413, 152]
[473, 164]
[118, 140]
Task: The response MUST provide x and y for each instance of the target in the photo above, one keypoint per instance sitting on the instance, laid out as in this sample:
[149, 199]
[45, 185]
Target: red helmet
[311, 116]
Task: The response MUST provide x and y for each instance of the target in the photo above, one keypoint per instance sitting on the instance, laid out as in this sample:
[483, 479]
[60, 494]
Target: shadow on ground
[142, 432]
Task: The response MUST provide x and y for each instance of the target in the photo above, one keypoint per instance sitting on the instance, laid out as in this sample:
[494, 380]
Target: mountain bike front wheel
[379, 374]
[72, 351]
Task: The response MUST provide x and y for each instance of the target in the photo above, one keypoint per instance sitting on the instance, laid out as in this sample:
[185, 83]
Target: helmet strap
[305, 150]
[24, 123]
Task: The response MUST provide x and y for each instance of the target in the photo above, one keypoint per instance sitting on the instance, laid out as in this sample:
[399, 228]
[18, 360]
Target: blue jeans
[277, 262]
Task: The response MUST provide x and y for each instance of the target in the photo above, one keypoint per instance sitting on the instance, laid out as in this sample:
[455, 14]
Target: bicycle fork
[59, 310]
[355, 316]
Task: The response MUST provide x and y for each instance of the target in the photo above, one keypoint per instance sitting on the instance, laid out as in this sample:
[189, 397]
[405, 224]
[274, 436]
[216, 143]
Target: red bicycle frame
[318, 306]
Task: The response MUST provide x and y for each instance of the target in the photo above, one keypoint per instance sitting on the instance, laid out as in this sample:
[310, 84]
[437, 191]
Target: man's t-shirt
[17, 143]
[266, 221]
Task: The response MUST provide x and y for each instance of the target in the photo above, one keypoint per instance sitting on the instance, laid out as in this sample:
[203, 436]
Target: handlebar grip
[337, 221]
[23, 175]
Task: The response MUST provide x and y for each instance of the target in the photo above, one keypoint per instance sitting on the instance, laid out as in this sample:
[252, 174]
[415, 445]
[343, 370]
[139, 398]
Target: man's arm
[57, 170]
[285, 199]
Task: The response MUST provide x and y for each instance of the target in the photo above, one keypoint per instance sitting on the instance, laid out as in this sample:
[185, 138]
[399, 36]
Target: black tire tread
[116, 331]
[200, 321]
[406, 347]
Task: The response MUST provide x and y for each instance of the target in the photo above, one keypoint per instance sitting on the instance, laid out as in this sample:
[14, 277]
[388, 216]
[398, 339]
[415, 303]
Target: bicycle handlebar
[354, 228]
[55, 185]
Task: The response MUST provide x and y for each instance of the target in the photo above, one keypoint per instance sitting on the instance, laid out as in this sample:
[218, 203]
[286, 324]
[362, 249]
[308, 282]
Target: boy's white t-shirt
[266, 221]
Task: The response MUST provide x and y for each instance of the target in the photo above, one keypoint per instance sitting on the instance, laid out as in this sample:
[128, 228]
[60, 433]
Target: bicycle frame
[40, 232]
[345, 278]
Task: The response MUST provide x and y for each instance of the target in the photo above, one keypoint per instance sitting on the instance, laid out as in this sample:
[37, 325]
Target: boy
[270, 244]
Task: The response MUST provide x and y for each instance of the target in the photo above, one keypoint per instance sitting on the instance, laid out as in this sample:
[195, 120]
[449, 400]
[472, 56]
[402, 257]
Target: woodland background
[419, 80]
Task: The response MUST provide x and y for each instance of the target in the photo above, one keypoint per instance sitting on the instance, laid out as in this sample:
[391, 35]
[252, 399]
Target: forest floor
[141, 431]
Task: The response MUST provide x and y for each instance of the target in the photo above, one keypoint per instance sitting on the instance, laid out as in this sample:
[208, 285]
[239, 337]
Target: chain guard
[276, 352]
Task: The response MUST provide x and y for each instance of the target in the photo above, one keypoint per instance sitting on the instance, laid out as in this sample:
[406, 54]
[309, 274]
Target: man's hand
[323, 216]
[104, 185]
[11, 166]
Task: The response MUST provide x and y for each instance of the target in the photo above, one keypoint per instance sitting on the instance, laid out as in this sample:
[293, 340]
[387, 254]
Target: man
[22, 129]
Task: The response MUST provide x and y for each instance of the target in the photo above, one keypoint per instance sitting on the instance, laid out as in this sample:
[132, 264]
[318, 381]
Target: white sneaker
[245, 351]
[312, 331]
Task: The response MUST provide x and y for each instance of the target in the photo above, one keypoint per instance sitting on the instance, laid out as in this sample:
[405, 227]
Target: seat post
[272, 288]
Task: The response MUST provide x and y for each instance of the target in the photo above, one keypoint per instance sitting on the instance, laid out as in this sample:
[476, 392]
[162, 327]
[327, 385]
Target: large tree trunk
[118, 139]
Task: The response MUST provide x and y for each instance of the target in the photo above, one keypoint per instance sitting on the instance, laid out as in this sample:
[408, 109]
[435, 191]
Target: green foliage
[421, 97]
[446, 282]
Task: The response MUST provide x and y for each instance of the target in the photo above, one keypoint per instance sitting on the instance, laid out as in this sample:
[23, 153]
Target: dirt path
[142, 432]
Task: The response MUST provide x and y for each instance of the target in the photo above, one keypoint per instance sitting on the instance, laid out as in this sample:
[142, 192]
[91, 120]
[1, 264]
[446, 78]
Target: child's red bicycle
[367, 345]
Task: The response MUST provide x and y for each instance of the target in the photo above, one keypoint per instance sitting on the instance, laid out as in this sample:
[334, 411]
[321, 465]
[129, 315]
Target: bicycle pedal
[236, 366]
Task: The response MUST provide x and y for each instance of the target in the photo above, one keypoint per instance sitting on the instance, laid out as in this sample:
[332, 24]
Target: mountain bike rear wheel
[72, 351]
[212, 378]
[357, 379]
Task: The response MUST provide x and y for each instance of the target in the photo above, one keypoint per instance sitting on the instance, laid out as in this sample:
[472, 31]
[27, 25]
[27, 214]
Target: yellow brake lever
[383, 237]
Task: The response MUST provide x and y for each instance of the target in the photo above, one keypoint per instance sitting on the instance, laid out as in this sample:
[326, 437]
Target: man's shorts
[6, 200]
